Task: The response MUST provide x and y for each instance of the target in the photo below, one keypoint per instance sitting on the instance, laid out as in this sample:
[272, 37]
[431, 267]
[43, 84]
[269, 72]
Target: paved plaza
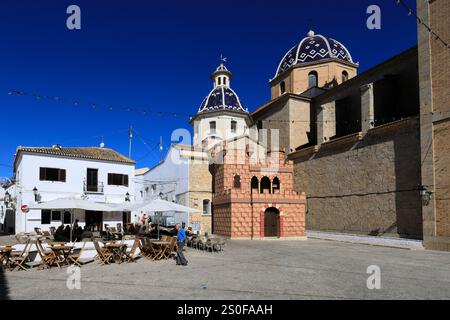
[313, 269]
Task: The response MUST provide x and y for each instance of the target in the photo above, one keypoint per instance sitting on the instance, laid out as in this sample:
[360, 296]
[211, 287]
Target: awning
[73, 203]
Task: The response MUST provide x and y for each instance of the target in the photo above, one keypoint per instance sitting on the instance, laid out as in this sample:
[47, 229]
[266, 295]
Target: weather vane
[223, 59]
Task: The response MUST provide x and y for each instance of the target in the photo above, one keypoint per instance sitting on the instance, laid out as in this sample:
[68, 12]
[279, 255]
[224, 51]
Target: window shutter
[42, 174]
[62, 175]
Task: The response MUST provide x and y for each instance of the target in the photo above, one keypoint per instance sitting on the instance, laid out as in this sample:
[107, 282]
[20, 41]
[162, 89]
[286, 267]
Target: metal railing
[89, 188]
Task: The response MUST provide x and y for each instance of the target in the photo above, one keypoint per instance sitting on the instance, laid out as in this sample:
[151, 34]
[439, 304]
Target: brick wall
[239, 212]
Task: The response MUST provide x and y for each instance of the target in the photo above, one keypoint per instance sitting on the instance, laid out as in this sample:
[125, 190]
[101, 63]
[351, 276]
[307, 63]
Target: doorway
[94, 220]
[272, 223]
[92, 180]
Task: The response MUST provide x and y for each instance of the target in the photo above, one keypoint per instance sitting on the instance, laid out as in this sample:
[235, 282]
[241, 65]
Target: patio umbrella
[159, 205]
[71, 204]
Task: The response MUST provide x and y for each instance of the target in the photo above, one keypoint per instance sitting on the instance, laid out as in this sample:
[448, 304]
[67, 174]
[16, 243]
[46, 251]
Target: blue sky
[158, 56]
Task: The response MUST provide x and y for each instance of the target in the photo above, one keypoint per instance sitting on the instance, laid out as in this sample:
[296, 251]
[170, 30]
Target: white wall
[223, 128]
[27, 176]
[171, 178]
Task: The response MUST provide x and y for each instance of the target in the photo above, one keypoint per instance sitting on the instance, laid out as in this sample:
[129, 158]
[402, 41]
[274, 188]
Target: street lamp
[36, 194]
[127, 197]
[7, 199]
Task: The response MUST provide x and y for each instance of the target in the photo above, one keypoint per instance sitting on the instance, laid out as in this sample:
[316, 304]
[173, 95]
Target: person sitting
[189, 232]
[143, 232]
[86, 234]
[60, 235]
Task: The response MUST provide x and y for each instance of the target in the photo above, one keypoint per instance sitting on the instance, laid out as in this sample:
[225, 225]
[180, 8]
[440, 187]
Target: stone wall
[200, 188]
[364, 184]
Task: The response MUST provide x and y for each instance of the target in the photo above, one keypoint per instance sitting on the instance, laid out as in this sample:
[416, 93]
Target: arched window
[219, 80]
[254, 184]
[237, 181]
[265, 185]
[276, 185]
[313, 79]
[233, 126]
[224, 81]
[212, 127]
[344, 76]
[207, 207]
[282, 87]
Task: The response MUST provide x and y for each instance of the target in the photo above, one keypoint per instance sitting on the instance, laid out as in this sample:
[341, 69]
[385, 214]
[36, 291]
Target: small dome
[221, 98]
[314, 48]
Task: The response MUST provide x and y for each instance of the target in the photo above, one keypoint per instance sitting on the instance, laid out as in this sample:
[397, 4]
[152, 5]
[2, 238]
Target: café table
[117, 249]
[62, 254]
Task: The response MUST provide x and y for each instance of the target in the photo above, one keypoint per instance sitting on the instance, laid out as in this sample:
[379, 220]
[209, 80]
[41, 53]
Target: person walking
[181, 260]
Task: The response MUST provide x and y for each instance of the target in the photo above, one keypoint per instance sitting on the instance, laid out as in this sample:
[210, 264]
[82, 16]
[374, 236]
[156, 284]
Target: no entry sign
[25, 208]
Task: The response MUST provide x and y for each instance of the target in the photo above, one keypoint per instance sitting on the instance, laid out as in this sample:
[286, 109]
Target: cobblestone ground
[313, 269]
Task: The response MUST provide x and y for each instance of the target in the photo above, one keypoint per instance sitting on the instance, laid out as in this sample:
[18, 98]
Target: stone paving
[313, 269]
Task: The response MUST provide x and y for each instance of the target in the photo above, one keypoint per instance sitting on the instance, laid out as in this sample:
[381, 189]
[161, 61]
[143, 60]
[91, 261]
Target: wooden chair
[152, 252]
[48, 257]
[104, 255]
[170, 251]
[130, 255]
[76, 258]
[19, 261]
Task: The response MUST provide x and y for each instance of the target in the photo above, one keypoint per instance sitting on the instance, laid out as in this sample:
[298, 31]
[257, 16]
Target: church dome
[222, 97]
[314, 48]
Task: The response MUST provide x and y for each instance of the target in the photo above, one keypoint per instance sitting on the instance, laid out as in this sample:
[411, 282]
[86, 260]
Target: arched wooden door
[272, 223]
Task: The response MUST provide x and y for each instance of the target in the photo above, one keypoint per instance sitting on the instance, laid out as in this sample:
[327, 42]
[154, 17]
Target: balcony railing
[89, 188]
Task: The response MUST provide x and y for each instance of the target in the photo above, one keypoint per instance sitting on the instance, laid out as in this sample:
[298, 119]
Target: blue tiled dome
[222, 98]
[314, 48]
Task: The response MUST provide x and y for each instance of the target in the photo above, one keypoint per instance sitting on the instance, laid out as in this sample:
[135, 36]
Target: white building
[96, 174]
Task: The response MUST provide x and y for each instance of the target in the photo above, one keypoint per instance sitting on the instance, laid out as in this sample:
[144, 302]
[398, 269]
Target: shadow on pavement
[3, 286]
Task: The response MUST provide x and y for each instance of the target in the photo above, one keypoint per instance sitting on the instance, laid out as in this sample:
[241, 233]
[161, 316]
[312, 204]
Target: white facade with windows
[95, 174]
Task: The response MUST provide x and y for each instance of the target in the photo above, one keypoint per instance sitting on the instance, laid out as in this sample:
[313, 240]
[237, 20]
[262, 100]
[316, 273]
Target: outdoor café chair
[19, 262]
[153, 253]
[130, 254]
[76, 258]
[48, 257]
[169, 252]
[104, 255]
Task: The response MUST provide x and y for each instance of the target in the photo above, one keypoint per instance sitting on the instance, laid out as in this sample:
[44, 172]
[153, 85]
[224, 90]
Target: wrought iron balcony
[90, 188]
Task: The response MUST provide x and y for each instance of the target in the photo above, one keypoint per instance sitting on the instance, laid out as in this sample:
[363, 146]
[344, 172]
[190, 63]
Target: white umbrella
[71, 204]
[159, 205]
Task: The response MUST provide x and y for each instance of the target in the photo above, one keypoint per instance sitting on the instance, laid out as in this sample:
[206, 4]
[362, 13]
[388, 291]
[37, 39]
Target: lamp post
[36, 194]
[7, 199]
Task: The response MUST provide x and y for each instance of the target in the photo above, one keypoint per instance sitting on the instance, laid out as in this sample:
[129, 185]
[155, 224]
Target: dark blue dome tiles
[312, 49]
[222, 98]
